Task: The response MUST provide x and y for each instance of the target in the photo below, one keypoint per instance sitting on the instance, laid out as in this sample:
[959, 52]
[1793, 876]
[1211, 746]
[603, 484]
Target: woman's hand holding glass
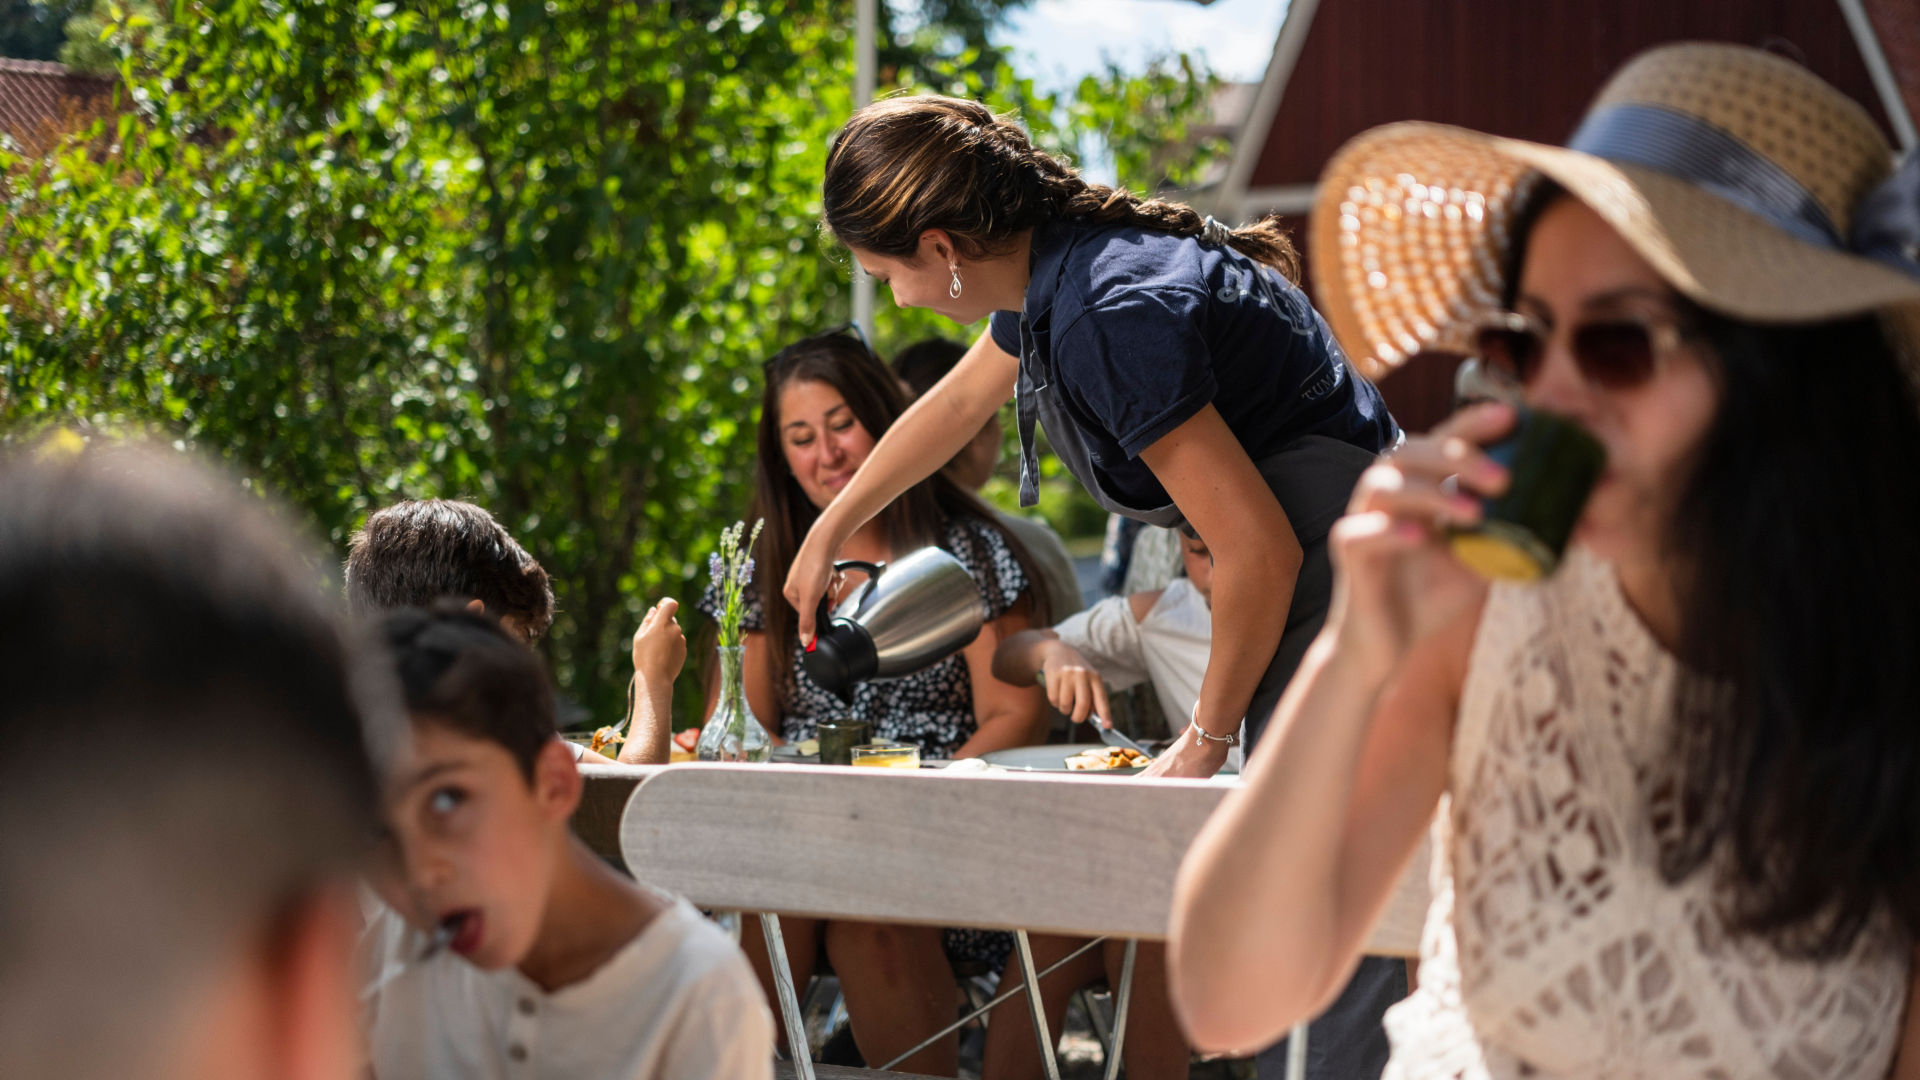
[1396, 582]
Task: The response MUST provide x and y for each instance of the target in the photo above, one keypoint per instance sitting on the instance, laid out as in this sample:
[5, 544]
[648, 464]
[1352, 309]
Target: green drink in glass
[839, 736]
[1553, 464]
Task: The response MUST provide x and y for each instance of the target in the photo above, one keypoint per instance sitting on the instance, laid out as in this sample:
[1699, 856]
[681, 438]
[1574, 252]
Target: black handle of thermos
[872, 570]
[825, 614]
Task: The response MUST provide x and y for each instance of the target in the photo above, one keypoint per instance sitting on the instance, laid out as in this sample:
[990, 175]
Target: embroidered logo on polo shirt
[1325, 383]
[1237, 287]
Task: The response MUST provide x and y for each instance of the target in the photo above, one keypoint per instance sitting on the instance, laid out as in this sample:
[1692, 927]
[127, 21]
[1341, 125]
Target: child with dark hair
[416, 552]
[181, 905]
[561, 967]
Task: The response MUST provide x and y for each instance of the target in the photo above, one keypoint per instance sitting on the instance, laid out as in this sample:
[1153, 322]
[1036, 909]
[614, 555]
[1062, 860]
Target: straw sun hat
[1747, 183]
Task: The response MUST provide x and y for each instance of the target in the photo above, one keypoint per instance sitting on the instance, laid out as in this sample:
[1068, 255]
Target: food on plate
[1107, 757]
[607, 741]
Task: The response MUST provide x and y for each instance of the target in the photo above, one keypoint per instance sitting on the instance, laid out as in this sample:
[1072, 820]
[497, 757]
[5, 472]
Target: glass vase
[733, 733]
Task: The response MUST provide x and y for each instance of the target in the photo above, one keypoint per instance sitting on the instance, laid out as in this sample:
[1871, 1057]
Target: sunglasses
[850, 329]
[1614, 354]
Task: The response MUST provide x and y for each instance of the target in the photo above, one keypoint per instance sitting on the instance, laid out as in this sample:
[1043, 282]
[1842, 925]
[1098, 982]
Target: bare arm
[1299, 885]
[1256, 561]
[923, 440]
[1299, 862]
[659, 652]
[652, 724]
[1073, 684]
[1007, 715]
[1020, 655]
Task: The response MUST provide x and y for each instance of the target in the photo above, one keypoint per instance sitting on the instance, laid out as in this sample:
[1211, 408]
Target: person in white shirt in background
[1164, 637]
[1160, 637]
[918, 367]
[509, 948]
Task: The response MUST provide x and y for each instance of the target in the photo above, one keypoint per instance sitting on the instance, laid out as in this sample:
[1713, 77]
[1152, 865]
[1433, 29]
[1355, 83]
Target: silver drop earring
[953, 290]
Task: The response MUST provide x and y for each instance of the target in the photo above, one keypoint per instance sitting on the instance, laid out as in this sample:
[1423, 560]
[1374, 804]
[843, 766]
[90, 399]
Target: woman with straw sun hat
[1677, 782]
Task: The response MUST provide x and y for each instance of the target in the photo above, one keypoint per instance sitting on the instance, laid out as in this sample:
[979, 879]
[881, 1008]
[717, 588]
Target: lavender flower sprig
[731, 568]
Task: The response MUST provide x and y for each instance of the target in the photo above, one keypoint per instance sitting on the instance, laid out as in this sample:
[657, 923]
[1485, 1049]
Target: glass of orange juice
[887, 757]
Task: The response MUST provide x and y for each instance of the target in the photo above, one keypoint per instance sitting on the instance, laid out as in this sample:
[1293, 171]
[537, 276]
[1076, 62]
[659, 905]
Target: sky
[1057, 41]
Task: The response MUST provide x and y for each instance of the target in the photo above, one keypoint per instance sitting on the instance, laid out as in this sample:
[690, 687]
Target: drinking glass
[839, 736]
[887, 757]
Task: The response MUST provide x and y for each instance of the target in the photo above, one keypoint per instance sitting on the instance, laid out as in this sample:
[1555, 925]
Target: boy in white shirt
[553, 964]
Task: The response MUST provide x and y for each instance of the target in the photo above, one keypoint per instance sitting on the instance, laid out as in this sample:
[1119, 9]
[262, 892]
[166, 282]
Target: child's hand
[1073, 686]
[659, 648]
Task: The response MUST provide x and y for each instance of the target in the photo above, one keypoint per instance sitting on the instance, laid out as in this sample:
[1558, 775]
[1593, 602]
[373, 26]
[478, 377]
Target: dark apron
[1312, 477]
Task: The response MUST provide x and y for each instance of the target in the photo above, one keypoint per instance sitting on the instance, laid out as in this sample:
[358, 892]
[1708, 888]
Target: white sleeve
[1107, 635]
[724, 1031]
[391, 1018]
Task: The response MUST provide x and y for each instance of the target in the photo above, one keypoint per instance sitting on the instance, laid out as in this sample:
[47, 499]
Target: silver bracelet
[1201, 736]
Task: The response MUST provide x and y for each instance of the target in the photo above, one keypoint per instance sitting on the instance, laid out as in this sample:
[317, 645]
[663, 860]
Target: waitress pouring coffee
[1178, 371]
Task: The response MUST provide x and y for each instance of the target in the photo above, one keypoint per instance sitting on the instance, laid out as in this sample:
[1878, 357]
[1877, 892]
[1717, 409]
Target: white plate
[1050, 759]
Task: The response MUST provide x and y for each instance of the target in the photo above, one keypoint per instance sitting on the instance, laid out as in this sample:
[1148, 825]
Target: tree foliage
[31, 29]
[96, 35]
[525, 252]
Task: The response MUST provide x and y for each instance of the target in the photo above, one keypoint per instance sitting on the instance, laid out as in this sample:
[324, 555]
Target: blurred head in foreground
[184, 786]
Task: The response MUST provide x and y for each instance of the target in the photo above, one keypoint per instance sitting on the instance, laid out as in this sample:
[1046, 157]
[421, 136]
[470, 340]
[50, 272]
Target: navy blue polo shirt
[1138, 330]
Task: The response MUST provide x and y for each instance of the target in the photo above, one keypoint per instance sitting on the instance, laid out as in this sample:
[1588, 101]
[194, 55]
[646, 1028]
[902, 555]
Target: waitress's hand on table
[1073, 686]
[1187, 760]
[1397, 581]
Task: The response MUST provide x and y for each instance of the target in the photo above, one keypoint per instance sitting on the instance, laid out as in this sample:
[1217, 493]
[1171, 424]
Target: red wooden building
[40, 102]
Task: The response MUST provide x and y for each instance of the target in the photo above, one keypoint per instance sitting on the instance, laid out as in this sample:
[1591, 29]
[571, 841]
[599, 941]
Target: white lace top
[1553, 946]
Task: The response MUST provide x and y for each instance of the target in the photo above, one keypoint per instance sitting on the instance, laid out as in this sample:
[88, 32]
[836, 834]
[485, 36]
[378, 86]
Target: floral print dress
[932, 708]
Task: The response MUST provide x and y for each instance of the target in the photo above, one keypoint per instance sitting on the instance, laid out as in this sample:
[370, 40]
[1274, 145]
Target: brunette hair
[918, 518]
[1796, 752]
[413, 553]
[462, 670]
[903, 165]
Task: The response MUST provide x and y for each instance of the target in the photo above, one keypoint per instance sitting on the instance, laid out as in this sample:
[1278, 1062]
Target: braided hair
[903, 165]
